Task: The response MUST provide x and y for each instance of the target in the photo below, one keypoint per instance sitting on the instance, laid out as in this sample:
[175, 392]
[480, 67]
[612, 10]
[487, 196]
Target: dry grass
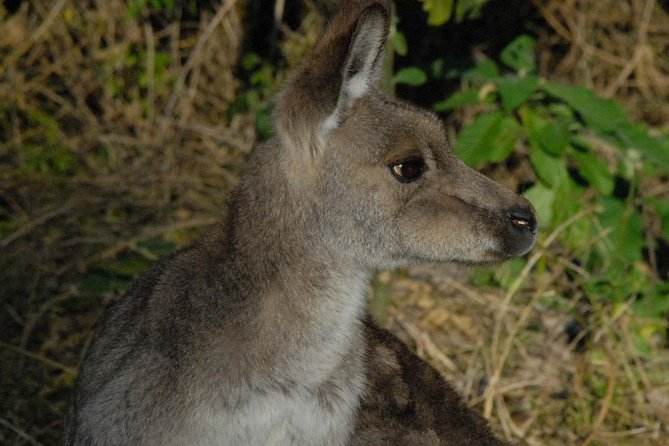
[509, 355]
[617, 48]
[115, 131]
[528, 379]
[105, 146]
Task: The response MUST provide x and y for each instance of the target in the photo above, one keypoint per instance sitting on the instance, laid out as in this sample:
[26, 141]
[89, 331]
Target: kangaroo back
[257, 334]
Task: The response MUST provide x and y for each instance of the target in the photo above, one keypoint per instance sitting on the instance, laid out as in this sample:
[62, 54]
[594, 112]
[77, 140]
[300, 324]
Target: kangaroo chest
[283, 420]
[316, 400]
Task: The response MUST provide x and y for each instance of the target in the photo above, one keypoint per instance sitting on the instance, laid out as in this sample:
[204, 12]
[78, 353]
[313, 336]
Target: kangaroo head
[388, 189]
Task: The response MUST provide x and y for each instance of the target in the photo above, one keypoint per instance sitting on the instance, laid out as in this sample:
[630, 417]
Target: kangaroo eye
[408, 170]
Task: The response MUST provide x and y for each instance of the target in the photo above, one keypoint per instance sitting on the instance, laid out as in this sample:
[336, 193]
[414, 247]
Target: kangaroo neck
[302, 301]
[280, 235]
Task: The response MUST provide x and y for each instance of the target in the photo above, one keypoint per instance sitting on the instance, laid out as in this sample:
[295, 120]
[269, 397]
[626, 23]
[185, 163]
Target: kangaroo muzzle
[522, 229]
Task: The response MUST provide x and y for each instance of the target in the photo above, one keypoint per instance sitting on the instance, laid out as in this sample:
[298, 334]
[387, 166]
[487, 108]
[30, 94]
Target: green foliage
[400, 44]
[133, 72]
[413, 76]
[44, 152]
[262, 80]
[438, 11]
[114, 275]
[494, 131]
[139, 7]
[580, 147]
[441, 11]
[519, 55]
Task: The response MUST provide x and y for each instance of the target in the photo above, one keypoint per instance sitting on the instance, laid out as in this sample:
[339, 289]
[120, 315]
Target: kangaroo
[258, 334]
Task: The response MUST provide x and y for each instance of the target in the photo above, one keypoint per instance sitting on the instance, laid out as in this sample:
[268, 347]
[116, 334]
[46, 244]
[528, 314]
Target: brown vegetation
[617, 48]
[115, 131]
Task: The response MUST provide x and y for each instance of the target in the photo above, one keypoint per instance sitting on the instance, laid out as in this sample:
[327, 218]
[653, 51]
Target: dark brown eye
[408, 170]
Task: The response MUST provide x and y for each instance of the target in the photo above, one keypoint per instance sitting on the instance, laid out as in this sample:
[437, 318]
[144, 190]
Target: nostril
[521, 222]
[523, 219]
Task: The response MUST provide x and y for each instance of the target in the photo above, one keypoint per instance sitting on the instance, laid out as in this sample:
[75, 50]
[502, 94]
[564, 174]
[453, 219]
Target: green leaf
[603, 115]
[262, 77]
[413, 76]
[438, 11]
[542, 198]
[264, 123]
[250, 61]
[468, 9]
[485, 70]
[550, 136]
[400, 44]
[594, 169]
[654, 304]
[662, 210]
[635, 136]
[514, 91]
[568, 202]
[459, 99]
[519, 54]
[550, 169]
[626, 237]
[554, 137]
[489, 139]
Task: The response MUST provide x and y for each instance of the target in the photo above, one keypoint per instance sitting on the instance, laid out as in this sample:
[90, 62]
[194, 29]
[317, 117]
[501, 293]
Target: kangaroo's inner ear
[365, 56]
[363, 64]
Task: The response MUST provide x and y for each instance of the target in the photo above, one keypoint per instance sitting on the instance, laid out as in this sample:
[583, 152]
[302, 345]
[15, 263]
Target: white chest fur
[278, 419]
[327, 378]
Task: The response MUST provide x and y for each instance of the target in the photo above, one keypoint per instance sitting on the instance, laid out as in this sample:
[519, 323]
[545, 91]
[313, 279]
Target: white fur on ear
[363, 65]
[358, 85]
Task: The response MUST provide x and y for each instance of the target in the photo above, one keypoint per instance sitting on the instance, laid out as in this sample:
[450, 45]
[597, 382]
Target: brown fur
[407, 402]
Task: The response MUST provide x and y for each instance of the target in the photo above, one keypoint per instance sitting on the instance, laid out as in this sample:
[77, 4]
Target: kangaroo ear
[344, 66]
[363, 64]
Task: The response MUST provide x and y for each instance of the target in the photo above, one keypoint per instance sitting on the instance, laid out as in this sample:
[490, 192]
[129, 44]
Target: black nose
[522, 218]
